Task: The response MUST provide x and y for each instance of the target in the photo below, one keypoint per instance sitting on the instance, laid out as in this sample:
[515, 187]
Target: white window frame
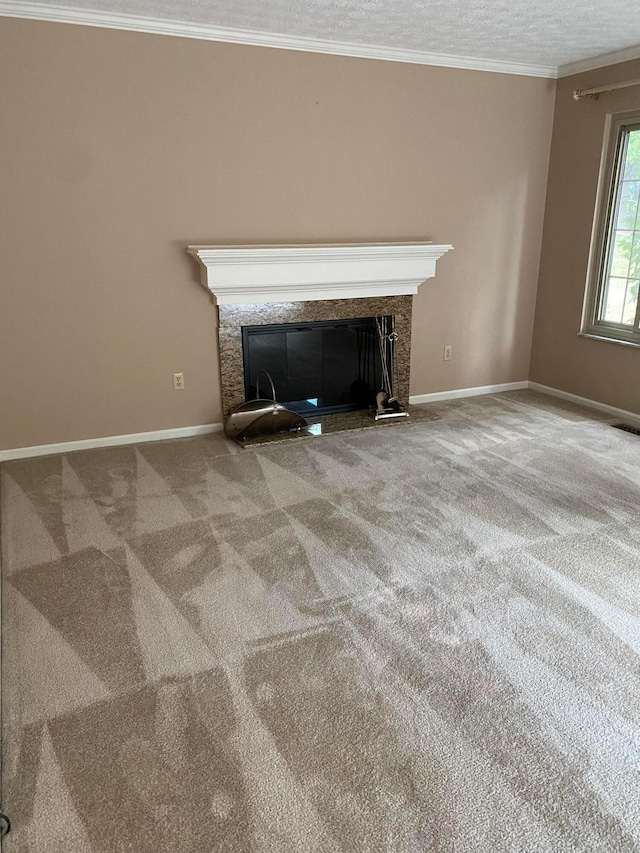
[593, 323]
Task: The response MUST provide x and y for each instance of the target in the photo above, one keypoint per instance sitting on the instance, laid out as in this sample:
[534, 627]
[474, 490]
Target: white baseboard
[621, 414]
[204, 429]
[468, 392]
[107, 441]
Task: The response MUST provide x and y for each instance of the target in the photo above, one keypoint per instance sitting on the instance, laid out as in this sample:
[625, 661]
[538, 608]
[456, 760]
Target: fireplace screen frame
[360, 363]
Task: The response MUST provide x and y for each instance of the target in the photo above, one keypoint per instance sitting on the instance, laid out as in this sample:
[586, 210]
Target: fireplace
[234, 319]
[258, 286]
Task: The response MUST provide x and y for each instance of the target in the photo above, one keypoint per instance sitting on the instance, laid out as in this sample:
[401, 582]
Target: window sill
[594, 336]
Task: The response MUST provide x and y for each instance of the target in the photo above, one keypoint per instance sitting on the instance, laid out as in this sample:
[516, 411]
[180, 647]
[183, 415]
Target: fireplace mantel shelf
[303, 273]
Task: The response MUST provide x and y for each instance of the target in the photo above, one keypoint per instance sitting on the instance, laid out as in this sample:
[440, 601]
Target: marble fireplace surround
[261, 285]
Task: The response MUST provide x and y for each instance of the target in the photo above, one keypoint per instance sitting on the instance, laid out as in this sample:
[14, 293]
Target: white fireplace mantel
[303, 273]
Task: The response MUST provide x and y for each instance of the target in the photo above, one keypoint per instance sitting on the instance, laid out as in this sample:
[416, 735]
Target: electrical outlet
[446, 355]
[178, 381]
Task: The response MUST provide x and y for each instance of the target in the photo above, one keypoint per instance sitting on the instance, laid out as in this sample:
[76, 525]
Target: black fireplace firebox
[317, 368]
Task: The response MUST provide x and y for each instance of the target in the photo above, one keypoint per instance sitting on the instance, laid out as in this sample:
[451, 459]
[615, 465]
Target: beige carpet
[395, 641]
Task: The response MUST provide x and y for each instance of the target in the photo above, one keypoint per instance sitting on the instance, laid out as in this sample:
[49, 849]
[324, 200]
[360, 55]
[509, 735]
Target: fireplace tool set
[387, 404]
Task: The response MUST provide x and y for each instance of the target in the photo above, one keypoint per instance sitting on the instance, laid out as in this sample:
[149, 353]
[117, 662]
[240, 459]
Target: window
[612, 306]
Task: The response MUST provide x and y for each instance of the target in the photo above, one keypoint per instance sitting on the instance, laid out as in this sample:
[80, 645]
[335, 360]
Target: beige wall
[119, 149]
[603, 371]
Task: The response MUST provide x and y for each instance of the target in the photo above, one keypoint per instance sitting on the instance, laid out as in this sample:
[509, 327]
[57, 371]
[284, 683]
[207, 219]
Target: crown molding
[207, 32]
[601, 61]
[241, 275]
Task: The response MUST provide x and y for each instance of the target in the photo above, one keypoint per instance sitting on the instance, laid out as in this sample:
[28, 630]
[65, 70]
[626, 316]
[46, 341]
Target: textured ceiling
[538, 32]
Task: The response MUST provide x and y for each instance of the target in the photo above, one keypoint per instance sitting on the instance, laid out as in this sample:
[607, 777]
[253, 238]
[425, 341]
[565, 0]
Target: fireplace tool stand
[387, 404]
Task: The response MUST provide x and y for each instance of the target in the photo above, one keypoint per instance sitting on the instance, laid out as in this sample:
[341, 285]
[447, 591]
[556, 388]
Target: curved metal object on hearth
[261, 416]
[5, 825]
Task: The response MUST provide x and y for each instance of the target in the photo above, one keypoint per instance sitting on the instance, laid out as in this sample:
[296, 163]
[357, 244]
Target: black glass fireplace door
[317, 368]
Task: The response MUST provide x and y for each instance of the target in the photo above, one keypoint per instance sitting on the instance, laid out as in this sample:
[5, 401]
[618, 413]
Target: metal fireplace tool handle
[273, 390]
